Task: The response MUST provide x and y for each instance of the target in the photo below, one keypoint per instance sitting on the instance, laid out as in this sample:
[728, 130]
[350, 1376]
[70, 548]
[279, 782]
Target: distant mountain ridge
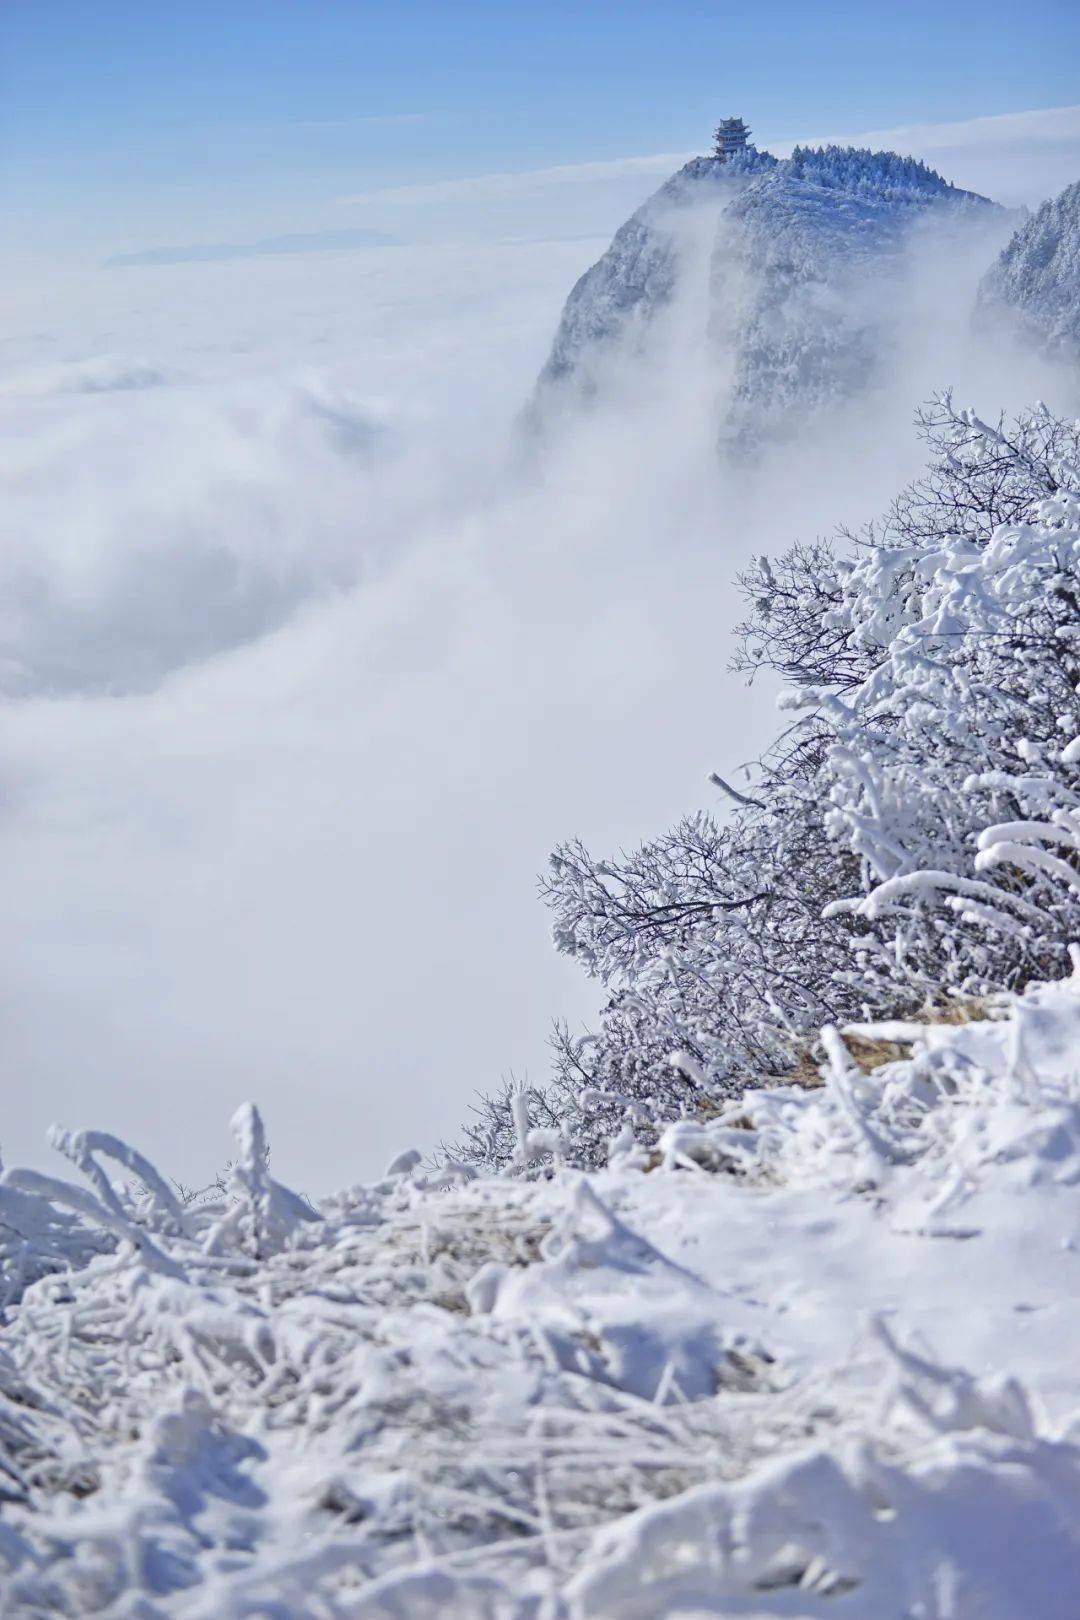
[795, 245]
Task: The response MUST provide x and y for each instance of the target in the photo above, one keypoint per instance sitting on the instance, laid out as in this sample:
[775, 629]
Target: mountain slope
[1036, 281]
[795, 253]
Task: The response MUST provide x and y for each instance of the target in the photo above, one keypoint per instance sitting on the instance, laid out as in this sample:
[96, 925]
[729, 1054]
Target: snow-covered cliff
[1036, 281]
[639, 272]
[795, 253]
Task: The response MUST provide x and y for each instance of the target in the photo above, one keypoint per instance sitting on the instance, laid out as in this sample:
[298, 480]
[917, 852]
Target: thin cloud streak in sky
[359, 123]
[1042, 126]
[1044, 129]
[514, 182]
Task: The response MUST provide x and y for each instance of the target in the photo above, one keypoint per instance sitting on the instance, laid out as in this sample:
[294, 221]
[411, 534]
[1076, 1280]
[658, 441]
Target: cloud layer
[330, 241]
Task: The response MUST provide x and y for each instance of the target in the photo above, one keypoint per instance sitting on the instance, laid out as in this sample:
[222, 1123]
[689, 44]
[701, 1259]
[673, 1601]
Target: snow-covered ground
[811, 1358]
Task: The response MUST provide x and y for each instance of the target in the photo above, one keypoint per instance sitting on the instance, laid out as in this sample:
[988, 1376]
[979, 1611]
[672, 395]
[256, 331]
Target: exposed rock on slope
[1036, 281]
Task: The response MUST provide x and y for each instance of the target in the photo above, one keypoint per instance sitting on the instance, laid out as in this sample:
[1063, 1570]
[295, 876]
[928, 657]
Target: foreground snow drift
[815, 1362]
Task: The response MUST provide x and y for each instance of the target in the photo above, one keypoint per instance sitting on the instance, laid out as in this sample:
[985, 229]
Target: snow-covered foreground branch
[814, 1362]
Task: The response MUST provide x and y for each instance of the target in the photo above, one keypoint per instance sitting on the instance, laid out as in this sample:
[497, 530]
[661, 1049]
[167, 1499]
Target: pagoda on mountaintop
[731, 137]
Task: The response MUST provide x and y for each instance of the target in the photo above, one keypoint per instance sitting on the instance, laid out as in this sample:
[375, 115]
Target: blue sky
[126, 120]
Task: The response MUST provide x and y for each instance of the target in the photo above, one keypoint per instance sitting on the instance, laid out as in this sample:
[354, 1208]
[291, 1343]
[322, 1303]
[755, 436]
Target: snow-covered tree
[932, 663]
[971, 629]
[857, 168]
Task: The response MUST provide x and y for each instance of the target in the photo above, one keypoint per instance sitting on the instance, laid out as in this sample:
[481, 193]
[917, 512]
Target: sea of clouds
[310, 655]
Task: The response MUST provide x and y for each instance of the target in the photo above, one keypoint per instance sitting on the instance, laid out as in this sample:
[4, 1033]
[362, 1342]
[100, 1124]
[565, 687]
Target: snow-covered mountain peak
[777, 258]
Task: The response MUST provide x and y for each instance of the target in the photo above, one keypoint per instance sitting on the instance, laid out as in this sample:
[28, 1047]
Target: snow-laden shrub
[932, 664]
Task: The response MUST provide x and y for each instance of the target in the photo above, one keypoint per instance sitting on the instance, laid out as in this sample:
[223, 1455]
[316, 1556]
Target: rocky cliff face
[1035, 283]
